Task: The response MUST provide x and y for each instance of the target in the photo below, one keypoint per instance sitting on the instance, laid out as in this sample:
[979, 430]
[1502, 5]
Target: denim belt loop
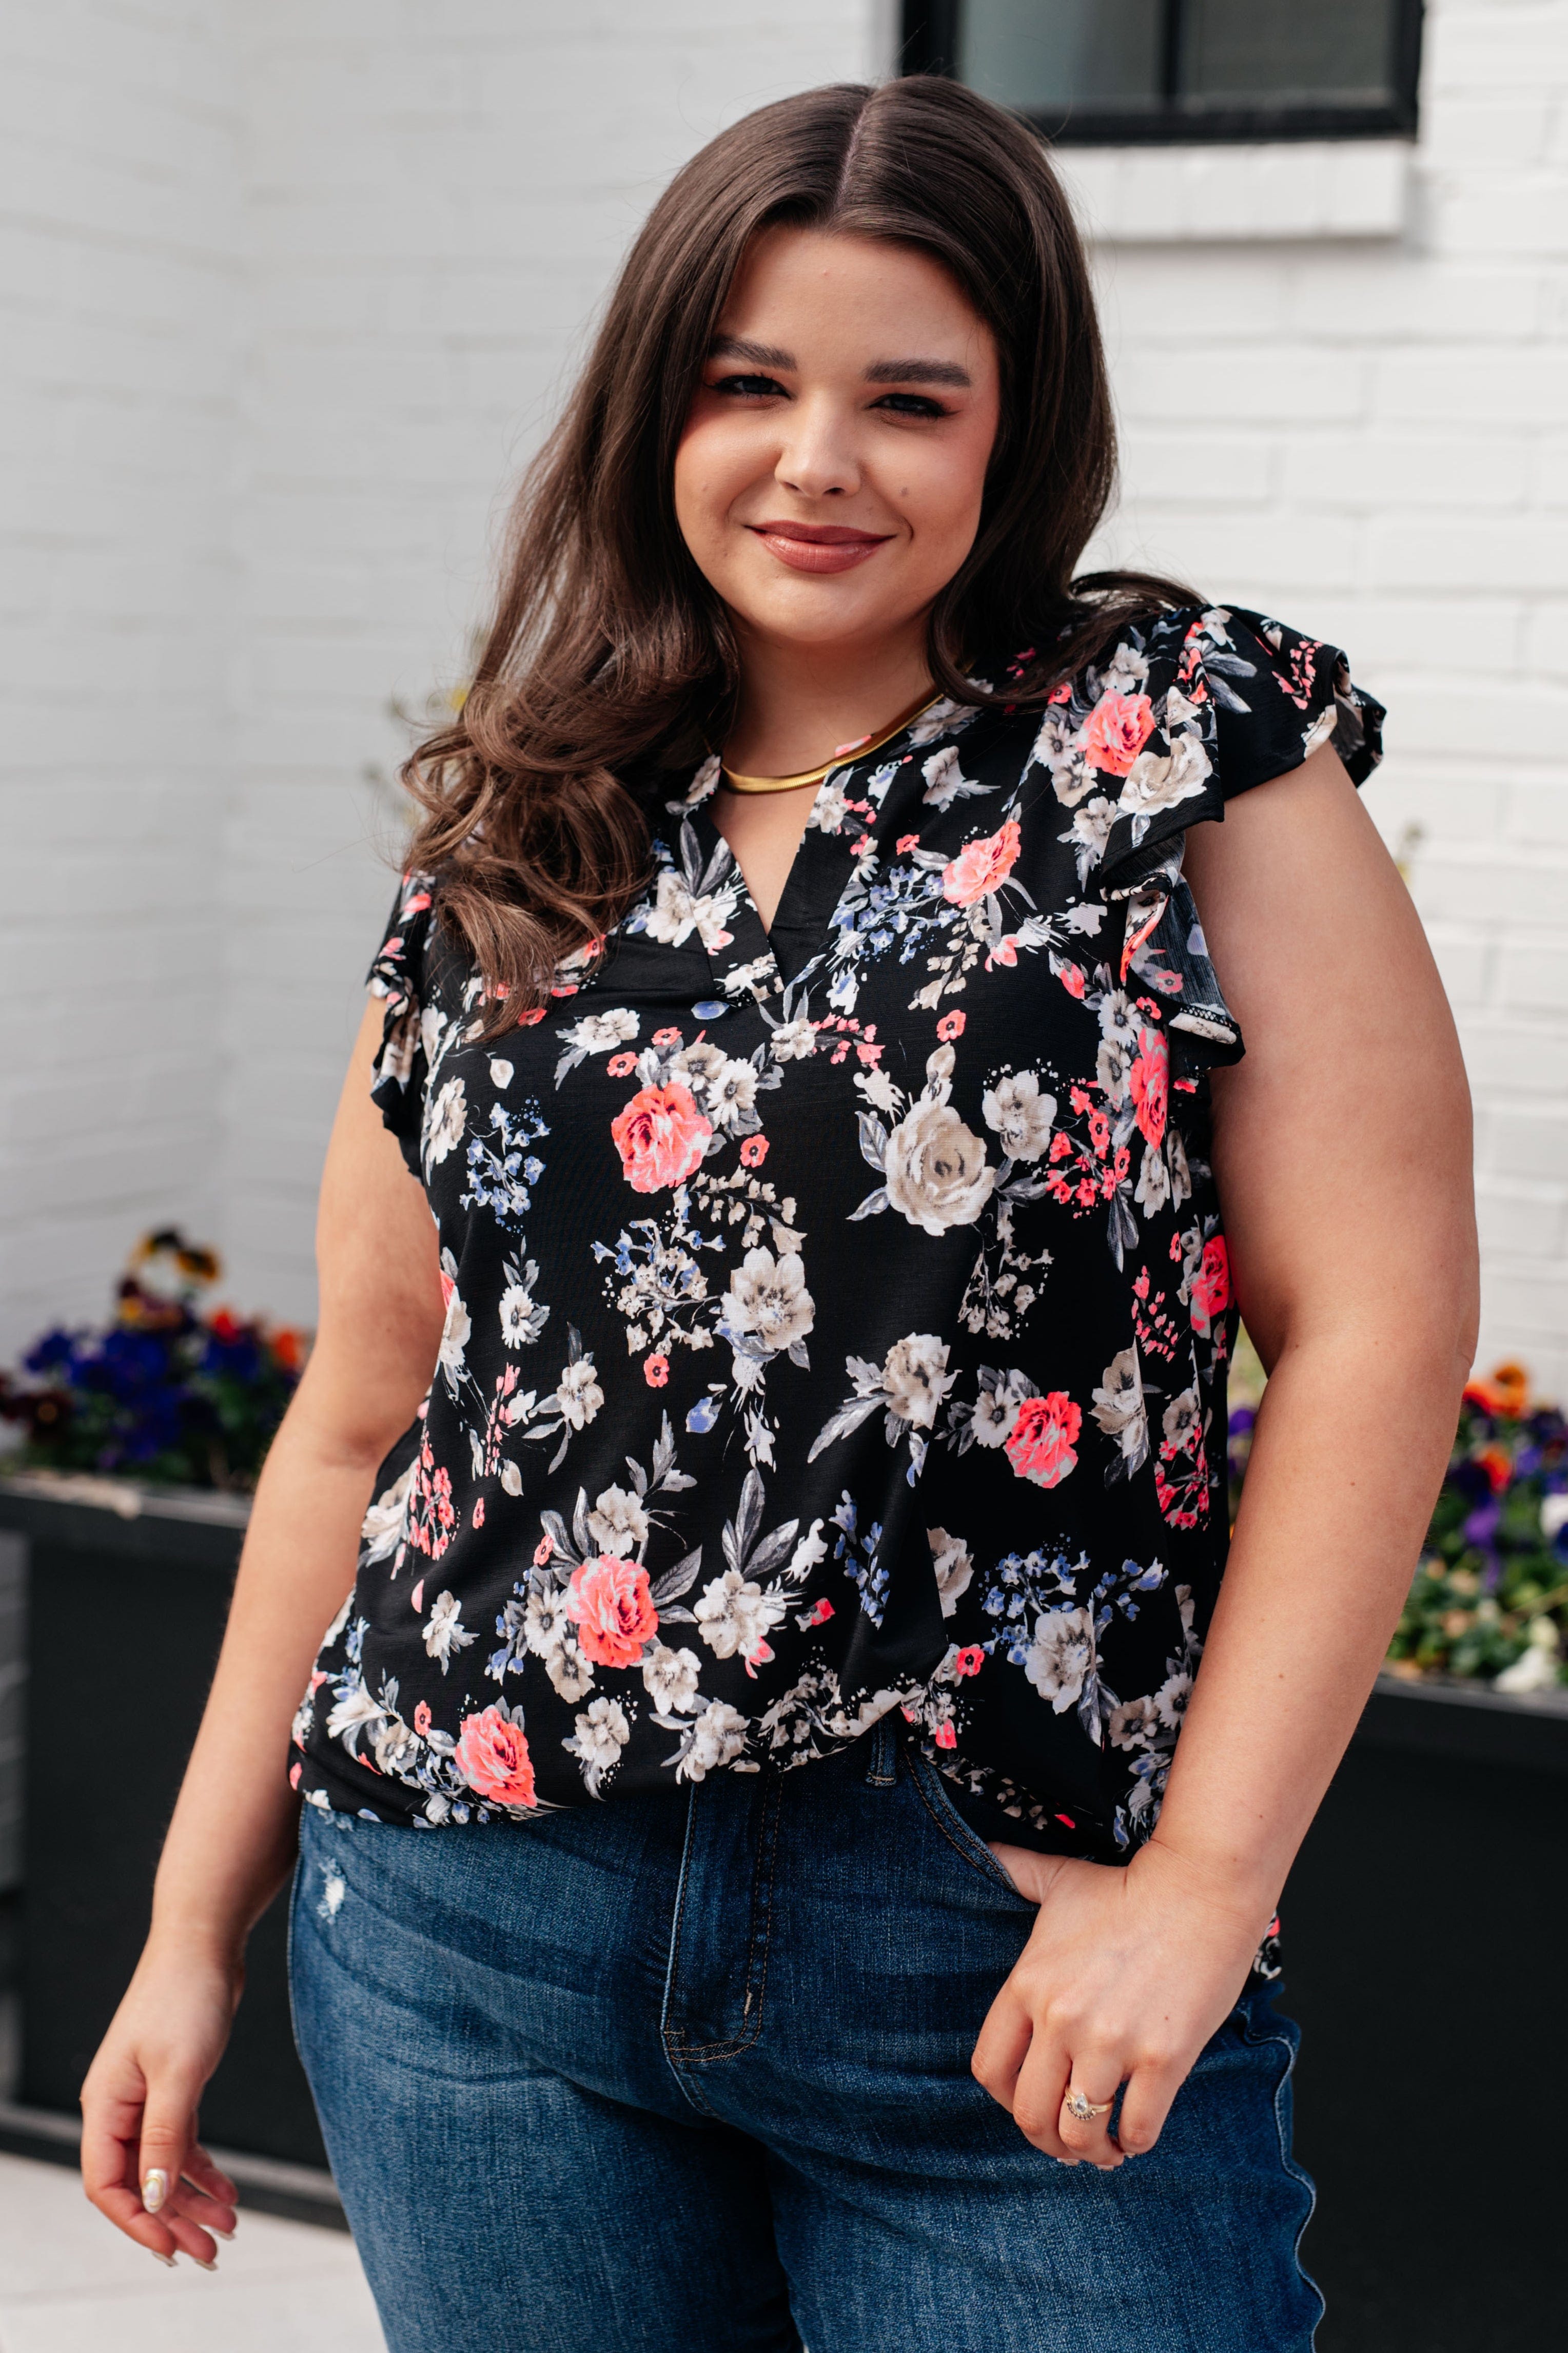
[883, 1772]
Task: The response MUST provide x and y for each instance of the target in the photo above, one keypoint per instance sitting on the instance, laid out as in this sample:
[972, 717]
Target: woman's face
[829, 478]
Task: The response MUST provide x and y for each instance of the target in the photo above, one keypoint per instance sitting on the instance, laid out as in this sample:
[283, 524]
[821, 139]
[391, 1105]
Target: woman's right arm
[231, 1842]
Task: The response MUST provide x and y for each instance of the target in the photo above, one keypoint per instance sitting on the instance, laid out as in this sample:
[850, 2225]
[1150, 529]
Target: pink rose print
[542, 1552]
[479, 1512]
[906, 842]
[753, 1152]
[294, 1773]
[822, 1613]
[526, 1020]
[984, 866]
[969, 1660]
[492, 1757]
[1211, 1286]
[950, 1026]
[1040, 1446]
[661, 1136]
[621, 1066]
[609, 1603]
[1116, 731]
[422, 1719]
[667, 1037]
[432, 1514]
[656, 1370]
[1149, 1080]
[945, 1736]
[1072, 980]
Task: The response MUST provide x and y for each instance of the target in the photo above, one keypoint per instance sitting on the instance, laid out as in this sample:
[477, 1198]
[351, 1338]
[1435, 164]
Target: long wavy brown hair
[610, 657]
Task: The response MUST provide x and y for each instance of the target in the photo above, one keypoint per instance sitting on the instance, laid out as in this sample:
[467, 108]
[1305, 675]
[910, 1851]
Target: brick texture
[1371, 440]
[288, 296]
[120, 268]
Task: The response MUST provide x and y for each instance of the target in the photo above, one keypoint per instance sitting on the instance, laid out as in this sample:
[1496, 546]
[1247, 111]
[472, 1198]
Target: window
[1112, 73]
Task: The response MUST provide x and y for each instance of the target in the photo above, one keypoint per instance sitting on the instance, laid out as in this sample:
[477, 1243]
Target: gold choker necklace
[844, 753]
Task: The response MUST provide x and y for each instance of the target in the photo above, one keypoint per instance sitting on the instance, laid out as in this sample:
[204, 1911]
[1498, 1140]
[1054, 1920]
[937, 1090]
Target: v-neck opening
[757, 960]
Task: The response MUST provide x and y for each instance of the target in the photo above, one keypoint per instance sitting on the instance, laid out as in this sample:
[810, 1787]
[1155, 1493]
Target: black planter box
[1423, 1934]
[125, 1618]
[1424, 1929]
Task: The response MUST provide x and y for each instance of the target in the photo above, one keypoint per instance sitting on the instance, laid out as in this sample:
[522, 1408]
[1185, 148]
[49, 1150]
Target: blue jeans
[689, 2074]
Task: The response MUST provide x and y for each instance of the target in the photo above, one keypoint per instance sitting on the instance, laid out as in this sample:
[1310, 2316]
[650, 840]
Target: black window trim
[930, 44]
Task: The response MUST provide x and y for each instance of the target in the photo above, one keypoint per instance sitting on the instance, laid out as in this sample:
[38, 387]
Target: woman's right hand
[141, 2163]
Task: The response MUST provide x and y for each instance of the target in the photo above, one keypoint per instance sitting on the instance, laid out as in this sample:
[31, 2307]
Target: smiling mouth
[819, 547]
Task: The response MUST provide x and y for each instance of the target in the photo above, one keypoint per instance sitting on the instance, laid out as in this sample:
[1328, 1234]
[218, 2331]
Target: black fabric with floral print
[836, 1321]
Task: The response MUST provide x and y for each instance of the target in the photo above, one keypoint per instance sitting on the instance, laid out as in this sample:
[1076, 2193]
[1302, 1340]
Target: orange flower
[1506, 1393]
[1496, 1466]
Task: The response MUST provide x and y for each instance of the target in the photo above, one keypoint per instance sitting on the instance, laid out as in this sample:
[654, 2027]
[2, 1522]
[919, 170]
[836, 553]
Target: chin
[813, 614]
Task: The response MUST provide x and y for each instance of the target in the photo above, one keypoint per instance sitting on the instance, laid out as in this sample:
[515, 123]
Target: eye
[911, 403]
[750, 387]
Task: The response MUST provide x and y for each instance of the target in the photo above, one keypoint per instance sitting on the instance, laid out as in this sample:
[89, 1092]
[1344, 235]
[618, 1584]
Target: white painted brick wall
[437, 200]
[286, 296]
[118, 269]
[1370, 438]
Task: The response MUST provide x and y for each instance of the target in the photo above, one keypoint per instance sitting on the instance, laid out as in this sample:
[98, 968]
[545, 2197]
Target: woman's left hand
[1126, 1976]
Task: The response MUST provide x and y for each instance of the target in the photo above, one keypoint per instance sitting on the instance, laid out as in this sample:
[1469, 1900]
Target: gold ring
[1083, 2111]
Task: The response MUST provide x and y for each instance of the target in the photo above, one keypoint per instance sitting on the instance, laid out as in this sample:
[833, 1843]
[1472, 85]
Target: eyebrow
[918, 372]
[909, 371]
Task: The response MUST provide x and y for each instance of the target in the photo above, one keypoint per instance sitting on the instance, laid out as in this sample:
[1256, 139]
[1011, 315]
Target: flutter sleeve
[1278, 697]
[398, 975]
[1239, 699]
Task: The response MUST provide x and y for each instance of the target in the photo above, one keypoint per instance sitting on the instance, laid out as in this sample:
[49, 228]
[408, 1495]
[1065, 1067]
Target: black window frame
[930, 44]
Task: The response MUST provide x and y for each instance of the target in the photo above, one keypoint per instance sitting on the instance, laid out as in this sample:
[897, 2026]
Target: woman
[775, 1309]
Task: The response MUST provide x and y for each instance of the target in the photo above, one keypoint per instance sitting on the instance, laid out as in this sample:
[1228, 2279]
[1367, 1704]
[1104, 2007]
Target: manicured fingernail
[217, 2234]
[155, 2188]
[157, 2258]
[205, 2266]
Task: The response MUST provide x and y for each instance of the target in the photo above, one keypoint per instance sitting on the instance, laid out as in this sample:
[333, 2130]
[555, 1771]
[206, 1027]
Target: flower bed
[1490, 1599]
[165, 1393]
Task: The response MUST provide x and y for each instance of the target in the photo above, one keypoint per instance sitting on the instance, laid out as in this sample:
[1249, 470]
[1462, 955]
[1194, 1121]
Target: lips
[819, 547]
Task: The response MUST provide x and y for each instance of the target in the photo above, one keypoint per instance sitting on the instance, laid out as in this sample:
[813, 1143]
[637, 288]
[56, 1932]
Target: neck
[799, 703]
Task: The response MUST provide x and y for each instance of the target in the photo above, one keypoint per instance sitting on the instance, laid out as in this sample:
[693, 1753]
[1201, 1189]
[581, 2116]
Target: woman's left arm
[1342, 1159]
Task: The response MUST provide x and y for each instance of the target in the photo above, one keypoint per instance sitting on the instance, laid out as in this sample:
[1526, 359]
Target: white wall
[286, 295]
[118, 282]
[436, 200]
[1369, 437]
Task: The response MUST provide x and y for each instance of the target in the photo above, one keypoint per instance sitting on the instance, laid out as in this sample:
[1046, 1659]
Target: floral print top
[837, 1318]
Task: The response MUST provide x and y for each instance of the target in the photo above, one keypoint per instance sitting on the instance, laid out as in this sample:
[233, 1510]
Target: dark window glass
[1284, 52]
[1173, 69]
[1035, 54]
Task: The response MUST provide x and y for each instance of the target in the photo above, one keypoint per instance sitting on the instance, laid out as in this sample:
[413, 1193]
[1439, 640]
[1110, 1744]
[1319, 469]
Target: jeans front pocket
[931, 1789]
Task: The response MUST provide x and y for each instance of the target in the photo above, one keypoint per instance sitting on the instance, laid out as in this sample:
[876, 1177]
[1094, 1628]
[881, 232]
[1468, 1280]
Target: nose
[819, 458]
